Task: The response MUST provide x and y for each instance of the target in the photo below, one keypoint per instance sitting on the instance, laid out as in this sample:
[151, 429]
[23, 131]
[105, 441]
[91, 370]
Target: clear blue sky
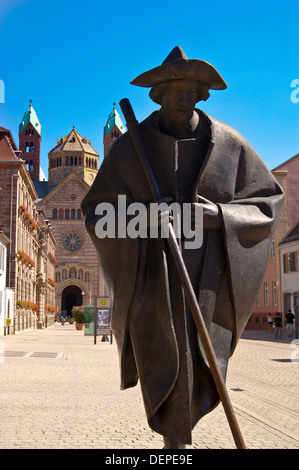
[74, 59]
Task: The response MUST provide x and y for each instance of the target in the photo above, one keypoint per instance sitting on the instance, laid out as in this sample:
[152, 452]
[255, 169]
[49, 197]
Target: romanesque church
[72, 167]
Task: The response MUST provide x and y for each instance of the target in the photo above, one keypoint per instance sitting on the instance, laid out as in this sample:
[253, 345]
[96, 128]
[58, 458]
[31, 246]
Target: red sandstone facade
[271, 298]
[30, 266]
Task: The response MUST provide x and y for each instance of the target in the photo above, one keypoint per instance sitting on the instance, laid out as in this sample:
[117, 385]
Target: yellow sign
[103, 302]
[8, 321]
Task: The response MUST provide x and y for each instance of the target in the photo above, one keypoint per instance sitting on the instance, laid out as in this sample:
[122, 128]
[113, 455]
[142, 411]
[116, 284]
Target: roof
[74, 142]
[4, 131]
[114, 120]
[30, 117]
[282, 165]
[8, 148]
[291, 236]
[45, 191]
[42, 188]
[9, 153]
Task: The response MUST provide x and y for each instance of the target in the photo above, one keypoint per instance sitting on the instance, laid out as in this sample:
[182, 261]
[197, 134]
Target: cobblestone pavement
[59, 390]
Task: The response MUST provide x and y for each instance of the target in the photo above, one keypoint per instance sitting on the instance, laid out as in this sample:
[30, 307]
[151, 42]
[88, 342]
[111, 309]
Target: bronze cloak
[153, 328]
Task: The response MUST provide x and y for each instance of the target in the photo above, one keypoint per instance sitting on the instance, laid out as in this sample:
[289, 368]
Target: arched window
[27, 165]
[54, 214]
[31, 165]
[73, 214]
[31, 147]
[60, 216]
[78, 214]
[72, 161]
[67, 214]
[27, 147]
[75, 161]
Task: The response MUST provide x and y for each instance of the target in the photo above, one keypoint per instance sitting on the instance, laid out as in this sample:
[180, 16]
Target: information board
[97, 319]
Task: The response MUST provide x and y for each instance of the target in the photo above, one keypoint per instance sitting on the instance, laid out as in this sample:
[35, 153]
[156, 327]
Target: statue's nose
[185, 99]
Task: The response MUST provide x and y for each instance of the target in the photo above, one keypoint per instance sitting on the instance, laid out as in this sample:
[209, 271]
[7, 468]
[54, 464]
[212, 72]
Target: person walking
[290, 323]
[277, 321]
[270, 322]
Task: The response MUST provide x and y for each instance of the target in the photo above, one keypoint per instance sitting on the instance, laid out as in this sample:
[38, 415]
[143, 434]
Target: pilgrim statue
[198, 162]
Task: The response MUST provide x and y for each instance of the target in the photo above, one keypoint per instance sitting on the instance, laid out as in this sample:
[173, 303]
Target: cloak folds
[153, 327]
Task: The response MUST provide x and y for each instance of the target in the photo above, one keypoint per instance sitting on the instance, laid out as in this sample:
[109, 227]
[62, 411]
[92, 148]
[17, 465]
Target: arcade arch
[71, 293]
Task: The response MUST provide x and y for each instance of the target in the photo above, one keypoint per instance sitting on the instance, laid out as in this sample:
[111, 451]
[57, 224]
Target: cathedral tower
[113, 129]
[73, 153]
[29, 142]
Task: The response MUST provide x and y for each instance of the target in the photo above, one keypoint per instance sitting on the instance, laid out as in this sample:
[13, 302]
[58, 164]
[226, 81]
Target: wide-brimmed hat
[177, 66]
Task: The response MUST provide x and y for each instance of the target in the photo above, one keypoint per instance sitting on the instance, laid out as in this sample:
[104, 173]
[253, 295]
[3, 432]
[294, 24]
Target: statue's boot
[171, 444]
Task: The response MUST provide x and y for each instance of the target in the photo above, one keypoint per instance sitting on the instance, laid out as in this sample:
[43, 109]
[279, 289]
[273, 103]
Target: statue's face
[179, 99]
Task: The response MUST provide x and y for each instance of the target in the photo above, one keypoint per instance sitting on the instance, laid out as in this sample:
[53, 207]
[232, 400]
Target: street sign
[103, 302]
[8, 321]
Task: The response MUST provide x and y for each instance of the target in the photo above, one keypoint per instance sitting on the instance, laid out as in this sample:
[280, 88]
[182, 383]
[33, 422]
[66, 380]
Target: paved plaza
[59, 390]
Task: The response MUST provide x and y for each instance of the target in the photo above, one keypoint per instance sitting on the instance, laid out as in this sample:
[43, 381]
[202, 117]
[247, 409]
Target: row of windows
[264, 299]
[24, 199]
[114, 135]
[29, 147]
[25, 290]
[29, 132]
[29, 165]
[66, 214]
[72, 273]
[291, 262]
[73, 161]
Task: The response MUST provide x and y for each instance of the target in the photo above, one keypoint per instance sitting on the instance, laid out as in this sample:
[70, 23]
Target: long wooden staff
[133, 128]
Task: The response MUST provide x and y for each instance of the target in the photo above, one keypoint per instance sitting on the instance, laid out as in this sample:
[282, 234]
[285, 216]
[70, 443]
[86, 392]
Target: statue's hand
[212, 218]
[156, 218]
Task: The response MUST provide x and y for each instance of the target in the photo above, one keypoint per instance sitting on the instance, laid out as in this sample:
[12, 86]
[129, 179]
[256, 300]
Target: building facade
[6, 294]
[32, 244]
[289, 261]
[273, 297]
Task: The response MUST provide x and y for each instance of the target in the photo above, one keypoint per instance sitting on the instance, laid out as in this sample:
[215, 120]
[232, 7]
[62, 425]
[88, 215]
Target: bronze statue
[200, 162]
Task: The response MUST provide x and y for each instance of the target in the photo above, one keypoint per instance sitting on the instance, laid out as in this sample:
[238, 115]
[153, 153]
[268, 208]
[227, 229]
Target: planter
[79, 326]
[78, 315]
